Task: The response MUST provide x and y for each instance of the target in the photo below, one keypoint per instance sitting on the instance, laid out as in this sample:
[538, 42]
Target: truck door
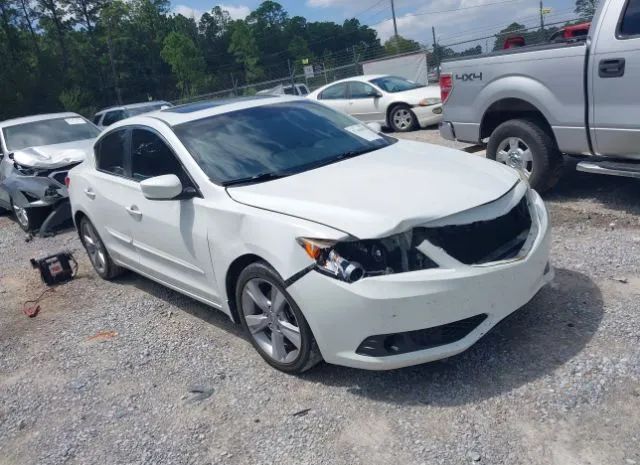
[615, 74]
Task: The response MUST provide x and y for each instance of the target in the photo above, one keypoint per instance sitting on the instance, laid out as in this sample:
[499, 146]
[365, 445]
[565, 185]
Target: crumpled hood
[384, 192]
[54, 156]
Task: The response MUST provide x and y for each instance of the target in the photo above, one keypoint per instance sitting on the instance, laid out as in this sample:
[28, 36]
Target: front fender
[29, 191]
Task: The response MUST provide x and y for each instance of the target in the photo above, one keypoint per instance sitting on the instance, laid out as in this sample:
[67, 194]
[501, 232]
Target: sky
[454, 20]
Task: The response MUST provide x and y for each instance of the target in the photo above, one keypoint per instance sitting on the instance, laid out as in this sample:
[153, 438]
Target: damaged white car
[36, 152]
[323, 238]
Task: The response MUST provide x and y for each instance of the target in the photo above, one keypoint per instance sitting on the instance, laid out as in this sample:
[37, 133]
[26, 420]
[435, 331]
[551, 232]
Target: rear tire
[546, 160]
[98, 254]
[273, 322]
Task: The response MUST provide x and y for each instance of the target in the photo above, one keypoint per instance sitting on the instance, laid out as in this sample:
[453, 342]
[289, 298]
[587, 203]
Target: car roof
[198, 110]
[132, 105]
[34, 118]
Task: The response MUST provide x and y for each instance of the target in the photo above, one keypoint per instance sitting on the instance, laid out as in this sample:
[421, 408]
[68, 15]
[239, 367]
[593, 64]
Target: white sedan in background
[323, 238]
[391, 101]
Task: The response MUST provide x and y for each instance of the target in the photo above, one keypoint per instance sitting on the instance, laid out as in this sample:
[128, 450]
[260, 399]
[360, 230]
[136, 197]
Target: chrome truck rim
[514, 152]
[271, 322]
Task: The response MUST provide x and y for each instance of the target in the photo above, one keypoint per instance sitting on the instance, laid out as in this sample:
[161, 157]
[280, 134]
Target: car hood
[384, 192]
[54, 156]
[414, 96]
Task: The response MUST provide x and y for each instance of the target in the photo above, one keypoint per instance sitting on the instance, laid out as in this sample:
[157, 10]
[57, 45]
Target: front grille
[421, 339]
[484, 241]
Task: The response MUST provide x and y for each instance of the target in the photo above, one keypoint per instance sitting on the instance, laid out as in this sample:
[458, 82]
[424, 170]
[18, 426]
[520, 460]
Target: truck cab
[532, 104]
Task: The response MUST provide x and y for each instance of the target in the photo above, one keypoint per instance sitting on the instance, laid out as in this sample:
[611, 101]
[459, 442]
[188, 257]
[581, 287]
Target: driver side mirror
[167, 187]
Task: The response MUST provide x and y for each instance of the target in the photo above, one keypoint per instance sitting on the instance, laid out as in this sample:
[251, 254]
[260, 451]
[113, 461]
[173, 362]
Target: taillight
[67, 181]
[446, 86]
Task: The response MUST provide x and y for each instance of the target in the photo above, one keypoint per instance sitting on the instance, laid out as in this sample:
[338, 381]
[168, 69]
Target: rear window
[630, 23]
[113, 117]
[48, 132]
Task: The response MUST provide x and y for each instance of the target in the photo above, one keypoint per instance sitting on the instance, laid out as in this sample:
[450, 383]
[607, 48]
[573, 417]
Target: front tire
[29, 219]
[98, 254]
[274, 323]
[402, 119]
[526, 146]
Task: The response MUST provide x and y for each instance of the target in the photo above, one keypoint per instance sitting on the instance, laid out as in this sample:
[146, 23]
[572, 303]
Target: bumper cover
[343, 315]
[428, 116]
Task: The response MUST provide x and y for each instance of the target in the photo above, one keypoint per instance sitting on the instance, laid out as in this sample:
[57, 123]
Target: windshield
[279, 139]
[394, 84]
[48, 132]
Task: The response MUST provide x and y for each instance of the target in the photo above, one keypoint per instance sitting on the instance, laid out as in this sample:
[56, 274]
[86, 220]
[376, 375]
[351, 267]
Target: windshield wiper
[255, 179]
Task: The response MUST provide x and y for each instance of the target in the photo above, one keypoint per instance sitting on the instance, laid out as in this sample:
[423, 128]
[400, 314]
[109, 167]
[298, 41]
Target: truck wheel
[524, 145]
[402, 119]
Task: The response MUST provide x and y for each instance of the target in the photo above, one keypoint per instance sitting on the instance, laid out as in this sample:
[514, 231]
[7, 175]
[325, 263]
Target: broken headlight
[351, 261]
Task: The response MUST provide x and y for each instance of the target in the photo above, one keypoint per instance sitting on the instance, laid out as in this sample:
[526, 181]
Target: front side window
[111, 153]
[394, 84]
[48, 132]
[630, 24]
[362, 90]
[275, 140]
[339, 91]
[113, 116]
[150, 156]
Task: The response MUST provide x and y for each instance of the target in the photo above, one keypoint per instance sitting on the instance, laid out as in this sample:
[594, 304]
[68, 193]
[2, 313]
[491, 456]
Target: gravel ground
[131, 372]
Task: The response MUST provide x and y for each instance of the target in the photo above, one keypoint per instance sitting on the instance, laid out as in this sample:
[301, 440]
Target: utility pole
[395, 24]
[435, 51]
[541, 18]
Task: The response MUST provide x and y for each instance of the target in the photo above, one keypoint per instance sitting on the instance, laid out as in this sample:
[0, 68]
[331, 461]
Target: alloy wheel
[402, 119]
[271, 321]
[22, 215]
[95, 248]
[514, 152]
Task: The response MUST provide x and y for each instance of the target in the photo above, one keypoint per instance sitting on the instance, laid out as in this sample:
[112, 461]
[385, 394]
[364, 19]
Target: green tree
[244, 49]
[586, 8]
[186, 62]
[398, 44]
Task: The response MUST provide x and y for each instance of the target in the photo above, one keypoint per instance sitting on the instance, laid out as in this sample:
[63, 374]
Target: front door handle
[611, 68]
[89, 193]
[133, 211]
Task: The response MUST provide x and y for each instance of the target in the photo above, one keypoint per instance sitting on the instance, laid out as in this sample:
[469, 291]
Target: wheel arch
[231, 280]
[510, 108]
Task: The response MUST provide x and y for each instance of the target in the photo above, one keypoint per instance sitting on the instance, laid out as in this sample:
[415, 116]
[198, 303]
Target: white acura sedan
[391, 101]
[323, 238]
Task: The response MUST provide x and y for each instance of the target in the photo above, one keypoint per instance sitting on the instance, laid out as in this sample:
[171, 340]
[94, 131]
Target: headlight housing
[425, 102]
[351, 261]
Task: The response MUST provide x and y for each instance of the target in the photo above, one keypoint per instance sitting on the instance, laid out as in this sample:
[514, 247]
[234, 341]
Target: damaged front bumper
[42, 192]
[403, 319]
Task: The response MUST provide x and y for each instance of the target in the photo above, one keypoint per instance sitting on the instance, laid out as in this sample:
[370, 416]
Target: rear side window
[630, 23]
[339, 91]
[111, 153]
[150, 156]
[113, 116]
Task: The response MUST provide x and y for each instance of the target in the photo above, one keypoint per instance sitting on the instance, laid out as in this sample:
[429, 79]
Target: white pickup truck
[533, 104]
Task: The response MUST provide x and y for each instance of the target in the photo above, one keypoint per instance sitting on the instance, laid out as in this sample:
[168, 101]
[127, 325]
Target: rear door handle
[133, 211]
[89, 193]
[611, 68]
